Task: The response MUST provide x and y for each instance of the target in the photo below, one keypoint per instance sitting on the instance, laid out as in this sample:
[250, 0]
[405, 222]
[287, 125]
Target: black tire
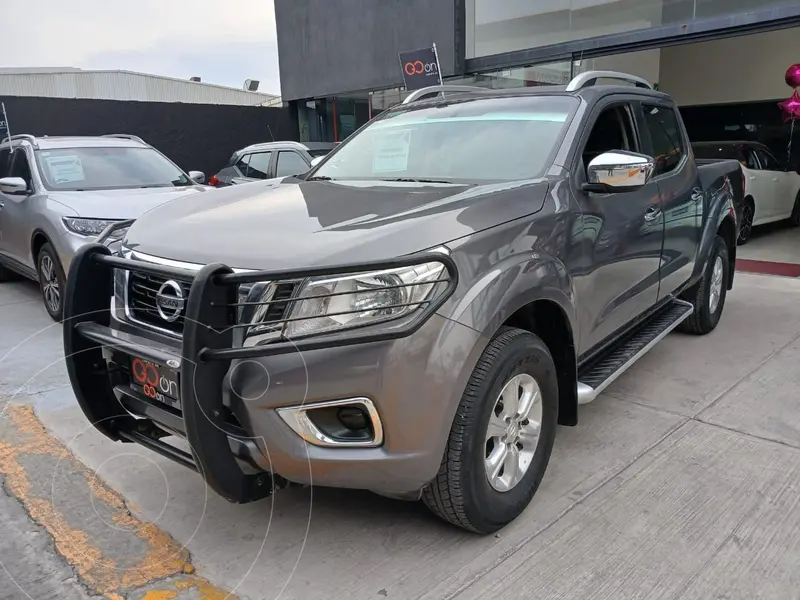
[746, 228]
[57, 278]
[704, 320]
[461, 492]
[795, 218]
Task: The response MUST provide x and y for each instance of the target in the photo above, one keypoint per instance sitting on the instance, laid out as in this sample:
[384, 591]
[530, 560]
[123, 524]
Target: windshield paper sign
[391, 151]
[64, 169]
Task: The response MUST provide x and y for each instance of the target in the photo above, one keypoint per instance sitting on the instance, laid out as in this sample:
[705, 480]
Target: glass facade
[496, 26]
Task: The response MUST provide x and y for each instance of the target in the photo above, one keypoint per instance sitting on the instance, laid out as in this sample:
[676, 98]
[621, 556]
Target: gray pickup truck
[417, 314]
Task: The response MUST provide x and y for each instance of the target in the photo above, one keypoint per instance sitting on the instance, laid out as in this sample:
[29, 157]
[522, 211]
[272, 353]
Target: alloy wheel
[50, 288]
[715, 291]
[513, 432]
[746, 229]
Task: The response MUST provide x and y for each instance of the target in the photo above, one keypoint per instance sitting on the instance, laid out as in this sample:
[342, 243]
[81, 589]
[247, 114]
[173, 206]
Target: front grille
[142, 290]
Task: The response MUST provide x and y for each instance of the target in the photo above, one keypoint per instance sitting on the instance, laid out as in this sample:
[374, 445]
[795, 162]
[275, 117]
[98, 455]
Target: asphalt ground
[681, 481]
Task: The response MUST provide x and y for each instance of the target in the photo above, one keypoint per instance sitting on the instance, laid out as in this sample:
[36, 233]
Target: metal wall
[195, 136]
[328, 47]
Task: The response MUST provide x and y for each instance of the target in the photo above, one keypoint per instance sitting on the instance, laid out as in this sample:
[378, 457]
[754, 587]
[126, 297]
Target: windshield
[90, 168]
[480, 141]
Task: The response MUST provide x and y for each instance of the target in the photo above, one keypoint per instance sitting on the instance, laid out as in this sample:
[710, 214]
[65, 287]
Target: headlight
[89, 227]
[327, 304]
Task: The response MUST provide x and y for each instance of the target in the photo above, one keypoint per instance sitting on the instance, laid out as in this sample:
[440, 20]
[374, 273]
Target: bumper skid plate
[208, 348]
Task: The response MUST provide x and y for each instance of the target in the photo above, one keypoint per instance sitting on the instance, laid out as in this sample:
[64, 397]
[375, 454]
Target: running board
[631, 348]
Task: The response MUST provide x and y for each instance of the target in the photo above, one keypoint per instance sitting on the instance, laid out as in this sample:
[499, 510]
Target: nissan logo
[170, 300]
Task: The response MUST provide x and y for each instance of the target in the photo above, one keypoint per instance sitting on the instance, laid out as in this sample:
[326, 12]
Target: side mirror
[14, 186]
[197, 176]
[316, 160]
[619, 171]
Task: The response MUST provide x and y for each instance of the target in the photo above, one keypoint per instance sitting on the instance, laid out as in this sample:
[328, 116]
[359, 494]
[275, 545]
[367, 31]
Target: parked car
[270, 160]
[57, 193]
[417, 314]
[771, 188]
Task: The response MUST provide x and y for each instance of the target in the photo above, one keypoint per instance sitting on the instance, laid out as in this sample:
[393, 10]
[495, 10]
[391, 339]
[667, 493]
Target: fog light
[353, 418]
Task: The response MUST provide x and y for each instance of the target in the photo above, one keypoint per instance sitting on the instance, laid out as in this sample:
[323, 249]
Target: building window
[496, 26]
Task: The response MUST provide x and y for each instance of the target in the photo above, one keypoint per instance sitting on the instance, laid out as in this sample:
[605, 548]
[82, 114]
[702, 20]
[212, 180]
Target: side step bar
[619, 358]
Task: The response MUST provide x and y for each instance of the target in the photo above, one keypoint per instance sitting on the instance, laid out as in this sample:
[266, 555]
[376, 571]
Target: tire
[706, 314]
[51, 281]
[462, 493]
[795, 218]
[746, 229]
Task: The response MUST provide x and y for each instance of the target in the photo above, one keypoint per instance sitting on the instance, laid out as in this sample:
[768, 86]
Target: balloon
[791, 107]
[793, 76]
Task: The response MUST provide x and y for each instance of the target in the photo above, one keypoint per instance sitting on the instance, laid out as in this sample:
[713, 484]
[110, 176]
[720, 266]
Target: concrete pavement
[680, 482]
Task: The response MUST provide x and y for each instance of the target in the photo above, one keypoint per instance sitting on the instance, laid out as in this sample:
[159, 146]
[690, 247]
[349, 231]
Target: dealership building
[722, 60]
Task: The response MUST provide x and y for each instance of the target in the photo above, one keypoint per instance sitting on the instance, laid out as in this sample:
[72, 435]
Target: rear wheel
[501, 438]
[708, 295]
[748, 215]
[51, 281]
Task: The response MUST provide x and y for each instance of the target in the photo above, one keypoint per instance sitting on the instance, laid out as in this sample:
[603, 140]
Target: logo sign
[420, 68]
[170, 301]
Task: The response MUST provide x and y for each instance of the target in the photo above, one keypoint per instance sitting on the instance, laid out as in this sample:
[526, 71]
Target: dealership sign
[420, 68]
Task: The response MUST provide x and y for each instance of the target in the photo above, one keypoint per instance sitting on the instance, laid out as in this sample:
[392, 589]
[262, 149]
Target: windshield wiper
[415, 180]
[320, 178]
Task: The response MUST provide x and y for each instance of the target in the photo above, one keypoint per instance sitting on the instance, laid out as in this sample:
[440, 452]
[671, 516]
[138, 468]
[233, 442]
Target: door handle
[653, 212]
[697, 195]
[752, 177]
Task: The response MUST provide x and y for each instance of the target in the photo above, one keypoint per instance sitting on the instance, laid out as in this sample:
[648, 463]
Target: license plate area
[156, 382]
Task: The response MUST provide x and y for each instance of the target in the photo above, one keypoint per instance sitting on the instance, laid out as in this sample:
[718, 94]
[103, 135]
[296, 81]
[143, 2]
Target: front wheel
[51, 281]
[708, 295]
[501, 438]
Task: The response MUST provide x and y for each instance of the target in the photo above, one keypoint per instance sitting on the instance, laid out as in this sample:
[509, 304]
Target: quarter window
[666, 137]
[768, 162]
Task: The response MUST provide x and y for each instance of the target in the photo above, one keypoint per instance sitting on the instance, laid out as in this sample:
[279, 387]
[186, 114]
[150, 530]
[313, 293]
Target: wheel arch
[549, 321]
[727, 231]
[38, 239]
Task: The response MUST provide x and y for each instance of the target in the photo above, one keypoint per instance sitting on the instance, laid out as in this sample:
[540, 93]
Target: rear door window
[665, 136]
[290, 163]
[768, 162]
[258, 166]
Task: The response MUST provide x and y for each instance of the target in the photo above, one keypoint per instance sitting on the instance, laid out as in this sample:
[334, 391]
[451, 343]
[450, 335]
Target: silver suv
[57, 193]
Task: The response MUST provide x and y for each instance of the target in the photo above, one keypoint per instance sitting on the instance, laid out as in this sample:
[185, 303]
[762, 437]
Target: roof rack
[21, 136]
[126, 136]
[435, 90]
[590, 78]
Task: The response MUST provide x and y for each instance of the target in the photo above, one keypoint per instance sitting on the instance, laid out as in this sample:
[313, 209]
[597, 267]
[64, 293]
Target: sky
[221, 42]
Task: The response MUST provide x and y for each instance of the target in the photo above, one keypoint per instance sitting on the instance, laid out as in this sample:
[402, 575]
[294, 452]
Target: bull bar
[207, 351]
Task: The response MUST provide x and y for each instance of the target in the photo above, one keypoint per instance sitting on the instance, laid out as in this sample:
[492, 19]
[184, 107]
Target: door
[290, 163]
[681, 194]
[14, 219]
[618, 278]
[776, 184]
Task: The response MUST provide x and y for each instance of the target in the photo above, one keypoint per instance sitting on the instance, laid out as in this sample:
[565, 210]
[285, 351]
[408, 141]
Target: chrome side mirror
[13, 186]
[197, 176]
[619, 171]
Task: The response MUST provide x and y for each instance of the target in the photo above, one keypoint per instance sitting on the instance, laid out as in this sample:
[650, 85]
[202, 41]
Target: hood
[315, 223]
[121, 204]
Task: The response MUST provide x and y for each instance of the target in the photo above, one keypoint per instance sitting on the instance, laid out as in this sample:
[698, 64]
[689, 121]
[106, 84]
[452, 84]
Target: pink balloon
[791, 107]
[793, 76]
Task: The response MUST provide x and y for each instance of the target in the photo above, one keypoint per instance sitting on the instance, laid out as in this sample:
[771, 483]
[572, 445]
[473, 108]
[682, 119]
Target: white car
[771, 189]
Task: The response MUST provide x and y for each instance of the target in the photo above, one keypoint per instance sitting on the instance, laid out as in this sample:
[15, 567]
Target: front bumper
[413, 373]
